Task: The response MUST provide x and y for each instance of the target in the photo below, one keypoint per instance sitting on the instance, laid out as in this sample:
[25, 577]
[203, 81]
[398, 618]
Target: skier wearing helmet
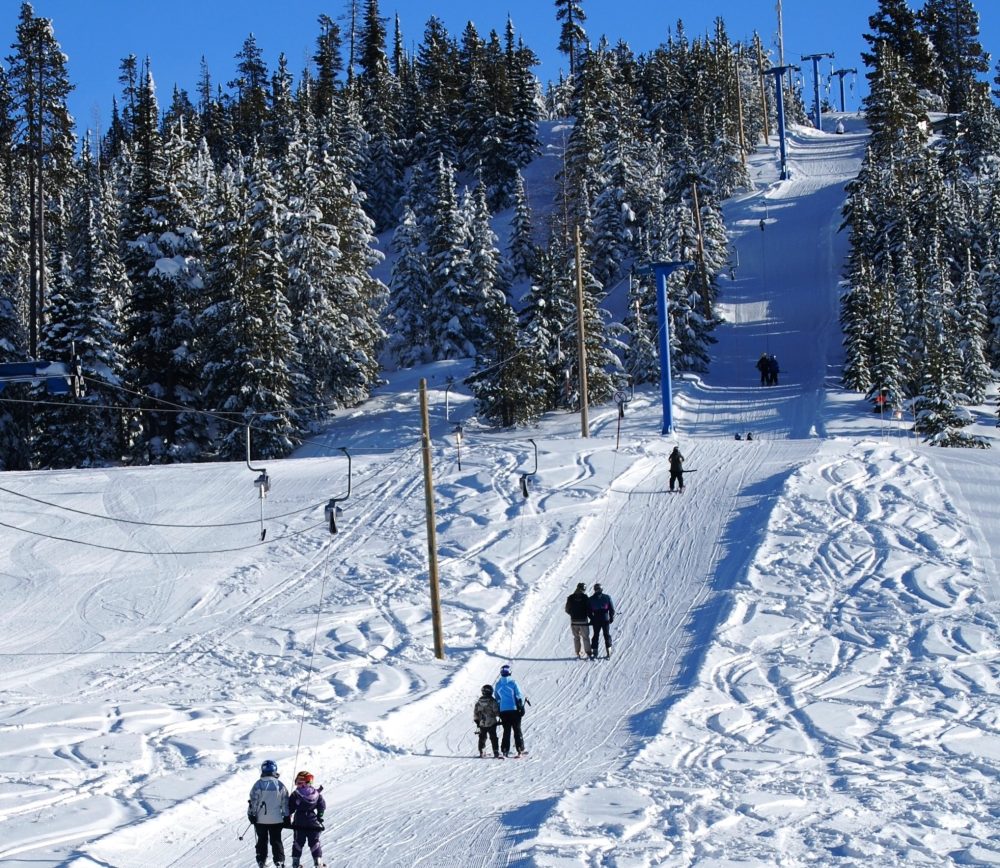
[511, 701]
[267, 810]
[602, 614]
[486, 714]
[307, 807]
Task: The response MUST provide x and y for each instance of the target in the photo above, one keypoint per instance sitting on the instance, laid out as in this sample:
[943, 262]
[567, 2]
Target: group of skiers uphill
[503, 704]
[596, 611]
[767, 364]
[271, 809]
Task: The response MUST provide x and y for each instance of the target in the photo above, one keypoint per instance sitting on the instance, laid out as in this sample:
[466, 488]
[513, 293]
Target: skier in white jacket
[267, 810]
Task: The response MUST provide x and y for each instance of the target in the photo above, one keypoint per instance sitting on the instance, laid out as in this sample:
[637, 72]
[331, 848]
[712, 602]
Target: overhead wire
[120, 550]
[120, 520]
[398, 461]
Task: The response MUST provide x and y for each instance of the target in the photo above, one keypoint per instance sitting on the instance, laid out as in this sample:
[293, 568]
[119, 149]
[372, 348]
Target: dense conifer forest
[211, 258]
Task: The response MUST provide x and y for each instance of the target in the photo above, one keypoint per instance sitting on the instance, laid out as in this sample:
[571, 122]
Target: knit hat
[598, 589]
[581, 587]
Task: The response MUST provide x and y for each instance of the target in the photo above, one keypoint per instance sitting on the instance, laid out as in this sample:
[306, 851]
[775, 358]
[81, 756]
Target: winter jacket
[487, 712]
[602, 610]
[676, 460]
[268, 801]
[578, 607]
[508, 694]
[307, 806]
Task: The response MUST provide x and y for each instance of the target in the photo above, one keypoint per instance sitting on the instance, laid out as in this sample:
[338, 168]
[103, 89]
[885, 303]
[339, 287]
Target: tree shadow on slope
[741, 539]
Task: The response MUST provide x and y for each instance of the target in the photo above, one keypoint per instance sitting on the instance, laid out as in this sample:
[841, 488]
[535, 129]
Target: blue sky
[96, 34]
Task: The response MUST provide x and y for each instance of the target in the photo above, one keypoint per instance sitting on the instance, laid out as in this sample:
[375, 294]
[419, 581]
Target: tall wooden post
[432, 564]
[701, 251]
[763, 91]
[581, 340]
[739, 113]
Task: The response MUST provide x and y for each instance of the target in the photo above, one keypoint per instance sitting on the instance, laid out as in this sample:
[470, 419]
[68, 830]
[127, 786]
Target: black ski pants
[596, 641]
[492, 732]
[678, 477]
[511, 721]
[269, 832]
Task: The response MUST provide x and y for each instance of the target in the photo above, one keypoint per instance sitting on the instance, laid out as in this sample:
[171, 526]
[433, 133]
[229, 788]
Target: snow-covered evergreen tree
[161, 253]
[452, 309]
[409, 295]
[523, 248]
[969, 324]
[641, 359]
[251, 358]
[310, 248]
[360, 296]
[85, 431]
[507, 378]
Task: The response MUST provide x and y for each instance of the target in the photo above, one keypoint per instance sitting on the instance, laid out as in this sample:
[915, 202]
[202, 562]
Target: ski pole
[243, 833]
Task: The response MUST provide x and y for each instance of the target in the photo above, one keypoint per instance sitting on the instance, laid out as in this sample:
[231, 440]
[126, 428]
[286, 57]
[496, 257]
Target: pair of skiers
[271, 809]
[597, 611]
[500, 704]
[767, 364]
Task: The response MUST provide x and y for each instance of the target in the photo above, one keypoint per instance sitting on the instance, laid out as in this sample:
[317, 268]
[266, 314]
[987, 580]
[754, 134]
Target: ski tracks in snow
[858, 651]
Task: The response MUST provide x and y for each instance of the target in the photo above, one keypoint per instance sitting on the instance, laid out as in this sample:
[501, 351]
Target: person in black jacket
[578, 609]
[602, 615]
[676, 468]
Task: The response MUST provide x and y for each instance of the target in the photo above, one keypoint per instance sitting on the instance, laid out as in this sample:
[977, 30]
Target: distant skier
[578, 609]
[772, 370]
[762, 366]
[676, 468]
[307, 807]
[602, 615]
[267, 810]
[486, 714]
[511, 701]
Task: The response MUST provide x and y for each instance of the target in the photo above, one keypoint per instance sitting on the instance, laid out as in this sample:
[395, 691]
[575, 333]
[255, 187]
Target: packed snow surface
[805, 656]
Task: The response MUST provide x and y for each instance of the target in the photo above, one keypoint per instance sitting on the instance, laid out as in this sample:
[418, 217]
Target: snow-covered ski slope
[805, 663]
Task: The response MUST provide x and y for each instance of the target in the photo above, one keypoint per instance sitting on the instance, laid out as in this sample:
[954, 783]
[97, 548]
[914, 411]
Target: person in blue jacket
[511, 700]
[602, 614]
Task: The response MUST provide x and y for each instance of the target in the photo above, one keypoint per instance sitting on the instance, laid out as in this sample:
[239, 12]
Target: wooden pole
[581, 339]
[432, 564]
[739, 112]
[763, 91]
[701, 251]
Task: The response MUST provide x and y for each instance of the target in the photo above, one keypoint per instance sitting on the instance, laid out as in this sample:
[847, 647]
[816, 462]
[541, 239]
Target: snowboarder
[602, 615]
[486, 714]
[749, 435]
[267, 810]
[307, 807]
[676, 468]
[511, 702]
[578, 609]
